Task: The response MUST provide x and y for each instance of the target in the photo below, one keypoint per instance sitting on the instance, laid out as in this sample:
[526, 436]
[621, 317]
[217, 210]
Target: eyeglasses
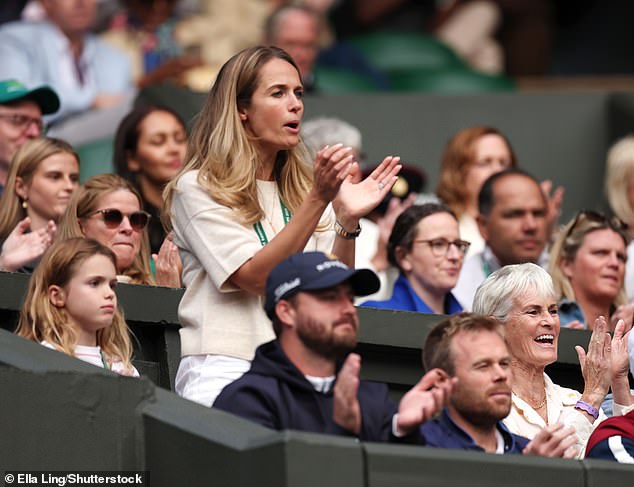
[440, 246]
[113, 218]
[22, 122]
[614, 223]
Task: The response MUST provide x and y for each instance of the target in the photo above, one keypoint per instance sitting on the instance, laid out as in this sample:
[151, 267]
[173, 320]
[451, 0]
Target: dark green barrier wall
[58, 413]
[393, 466]
[390, 342]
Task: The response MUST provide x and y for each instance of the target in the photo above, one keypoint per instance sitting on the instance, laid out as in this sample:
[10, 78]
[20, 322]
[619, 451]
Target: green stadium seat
[450, 80]
[337, 80]
[95, 158]
[396, 51]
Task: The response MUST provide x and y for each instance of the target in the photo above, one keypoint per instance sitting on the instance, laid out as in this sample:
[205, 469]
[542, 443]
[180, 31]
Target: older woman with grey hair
[523, 298]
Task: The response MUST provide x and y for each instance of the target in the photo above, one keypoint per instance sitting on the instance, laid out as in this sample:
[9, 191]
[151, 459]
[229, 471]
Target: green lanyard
[104, 361]
[286, 214]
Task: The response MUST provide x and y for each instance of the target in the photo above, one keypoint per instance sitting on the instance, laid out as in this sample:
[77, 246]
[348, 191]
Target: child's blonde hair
[41, 321]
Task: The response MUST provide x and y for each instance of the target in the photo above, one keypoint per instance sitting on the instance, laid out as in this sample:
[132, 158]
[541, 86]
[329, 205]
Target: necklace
[268, 215]
[539, 406]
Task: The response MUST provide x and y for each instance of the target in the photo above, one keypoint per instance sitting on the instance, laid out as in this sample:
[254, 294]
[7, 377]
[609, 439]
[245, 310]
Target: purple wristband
[588, 408]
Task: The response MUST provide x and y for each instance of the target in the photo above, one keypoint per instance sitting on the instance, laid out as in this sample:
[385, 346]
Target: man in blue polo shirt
[472, 349]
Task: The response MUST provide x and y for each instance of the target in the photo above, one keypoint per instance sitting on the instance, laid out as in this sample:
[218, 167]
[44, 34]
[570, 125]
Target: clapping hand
[168, 264]
[555, 441]
[620, 364]
[346, 411]
[22, 246]
[595, 365]
[426, 399]
[355, 200]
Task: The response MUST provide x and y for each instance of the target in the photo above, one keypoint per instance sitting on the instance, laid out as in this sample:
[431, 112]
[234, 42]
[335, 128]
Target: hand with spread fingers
[554, 441]
[595, 364]
[22, 247]
[425, 400]
[356, 200]
[346, 411]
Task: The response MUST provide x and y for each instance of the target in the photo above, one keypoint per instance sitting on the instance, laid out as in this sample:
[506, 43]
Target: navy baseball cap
[12, 90]
[312, 271]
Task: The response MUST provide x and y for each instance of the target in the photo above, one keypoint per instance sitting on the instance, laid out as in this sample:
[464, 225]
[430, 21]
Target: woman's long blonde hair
[40, 320]
[24, 164]
[225, 154]
[568, 242]
[86, 200]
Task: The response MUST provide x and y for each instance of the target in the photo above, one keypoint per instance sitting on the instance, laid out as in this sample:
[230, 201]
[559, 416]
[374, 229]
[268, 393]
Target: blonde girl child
[71, 306]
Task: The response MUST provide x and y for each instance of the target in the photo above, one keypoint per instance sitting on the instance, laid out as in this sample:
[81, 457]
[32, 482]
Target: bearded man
[307, 379]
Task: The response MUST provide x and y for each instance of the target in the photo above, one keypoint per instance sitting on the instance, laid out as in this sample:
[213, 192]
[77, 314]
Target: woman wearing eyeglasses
[43, 175]
[587, 263]
[425, 246]
[107, 208]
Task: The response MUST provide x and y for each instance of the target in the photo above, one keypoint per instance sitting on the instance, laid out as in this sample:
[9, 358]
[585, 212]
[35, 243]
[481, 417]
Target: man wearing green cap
[21, 113]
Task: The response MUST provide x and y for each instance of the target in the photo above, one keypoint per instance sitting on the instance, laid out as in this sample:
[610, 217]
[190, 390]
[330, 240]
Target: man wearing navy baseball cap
[307, 379]
[21, 111]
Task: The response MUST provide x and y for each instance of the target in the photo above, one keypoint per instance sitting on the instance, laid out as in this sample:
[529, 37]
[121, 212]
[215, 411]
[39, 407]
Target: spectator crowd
[276, 228]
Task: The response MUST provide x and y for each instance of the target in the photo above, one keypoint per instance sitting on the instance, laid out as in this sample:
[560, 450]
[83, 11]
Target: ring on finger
[381, 185]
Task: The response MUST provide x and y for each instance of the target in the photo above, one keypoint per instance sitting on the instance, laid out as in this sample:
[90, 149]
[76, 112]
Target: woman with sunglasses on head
[587, 263]
[107, 208]
[43, 176]
[425, 246]
[245, 200]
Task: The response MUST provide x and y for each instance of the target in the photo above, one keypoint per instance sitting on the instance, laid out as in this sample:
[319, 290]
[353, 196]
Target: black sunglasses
[113, 218]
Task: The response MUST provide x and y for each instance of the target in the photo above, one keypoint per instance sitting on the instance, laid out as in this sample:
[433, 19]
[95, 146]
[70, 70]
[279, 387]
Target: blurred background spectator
[151, 33]
[149, 150]
[21, 113]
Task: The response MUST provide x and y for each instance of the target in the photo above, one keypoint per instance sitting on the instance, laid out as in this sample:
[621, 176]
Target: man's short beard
[479, 415]
[329, 345]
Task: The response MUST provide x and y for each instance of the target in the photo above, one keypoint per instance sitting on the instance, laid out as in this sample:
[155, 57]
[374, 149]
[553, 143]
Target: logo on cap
[285, 287]
[329, 264]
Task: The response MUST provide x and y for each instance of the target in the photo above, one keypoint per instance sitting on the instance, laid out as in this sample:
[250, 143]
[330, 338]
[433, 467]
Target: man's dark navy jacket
[275, 394]
[444, 433]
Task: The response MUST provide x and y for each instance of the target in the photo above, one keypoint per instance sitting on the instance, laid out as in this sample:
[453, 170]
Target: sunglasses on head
[113, 218]
[614, 223]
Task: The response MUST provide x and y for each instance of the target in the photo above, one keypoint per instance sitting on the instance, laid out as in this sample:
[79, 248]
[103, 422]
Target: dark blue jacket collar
[443, 432]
